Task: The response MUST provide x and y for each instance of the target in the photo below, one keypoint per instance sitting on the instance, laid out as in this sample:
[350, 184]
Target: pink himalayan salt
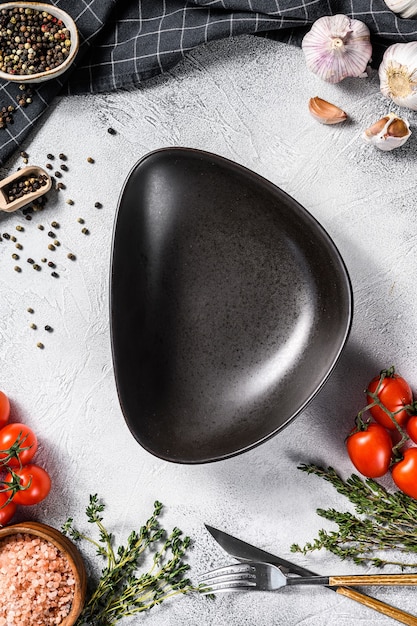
[36, 582]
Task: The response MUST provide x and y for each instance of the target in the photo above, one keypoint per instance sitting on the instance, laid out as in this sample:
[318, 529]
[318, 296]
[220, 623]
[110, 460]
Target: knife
[243, 551]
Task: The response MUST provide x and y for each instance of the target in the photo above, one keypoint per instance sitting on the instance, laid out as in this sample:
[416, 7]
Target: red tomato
[4, 409]
[7, 509]
[394, 392]
[412, 428]
[404, 473]
[18, 444]
[370, 450]
[34, 483]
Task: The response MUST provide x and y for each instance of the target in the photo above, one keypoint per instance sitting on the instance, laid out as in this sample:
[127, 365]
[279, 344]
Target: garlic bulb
[398, 74]
[388, 133]
[326, 112]
[337, 47]
[405, 8]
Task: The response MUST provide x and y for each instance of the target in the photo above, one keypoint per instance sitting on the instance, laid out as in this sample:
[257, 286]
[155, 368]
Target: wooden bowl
[75, 42]
[70, 552]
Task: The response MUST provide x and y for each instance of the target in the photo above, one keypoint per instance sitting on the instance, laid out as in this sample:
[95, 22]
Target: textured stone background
[245, 99]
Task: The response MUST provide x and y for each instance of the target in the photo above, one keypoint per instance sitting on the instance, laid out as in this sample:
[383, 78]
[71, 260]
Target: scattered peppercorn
[33, 326]
[17, 268]
[51, 247]
[41, 227]
[80, 220]
[71, 256]
[54, 274]
[85, 231]
[19, 246]
[24, 155]
[6, 115]
[43, 260]
[15, 256]
[98, 205]
[57, 243]
[30, 310]
[37, 267]
[40, 345]
[13, 238]
[6, 235]
[31, 261]
[54, 224]
[28, 218]
[111, 131]
[60, 186]
[69, 201]
[63, 156]
[51, 234]
[48, 166]
[58, 174]
[51, 264]
[50, 156]
[48, 328]
[64, 167]
[23, 100]
[90, 160]
[19, 228]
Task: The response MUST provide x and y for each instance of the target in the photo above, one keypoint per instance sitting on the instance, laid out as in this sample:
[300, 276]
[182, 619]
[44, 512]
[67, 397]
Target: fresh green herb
[386, 522]
[121, 590]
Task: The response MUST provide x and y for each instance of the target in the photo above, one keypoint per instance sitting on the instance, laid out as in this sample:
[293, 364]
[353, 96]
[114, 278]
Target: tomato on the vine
[412, 428]
[404, 473]
[4, 409]
[7, 509]
[394, 393]
[33, 484]
[370, 450]
[18, 444]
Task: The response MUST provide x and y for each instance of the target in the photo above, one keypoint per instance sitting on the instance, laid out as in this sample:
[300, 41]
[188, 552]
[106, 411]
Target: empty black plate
[230, 306]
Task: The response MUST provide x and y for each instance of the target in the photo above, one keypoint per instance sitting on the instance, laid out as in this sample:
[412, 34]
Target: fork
[253, 576]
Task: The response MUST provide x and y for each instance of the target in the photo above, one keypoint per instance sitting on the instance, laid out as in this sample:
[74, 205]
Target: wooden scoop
[11, 203]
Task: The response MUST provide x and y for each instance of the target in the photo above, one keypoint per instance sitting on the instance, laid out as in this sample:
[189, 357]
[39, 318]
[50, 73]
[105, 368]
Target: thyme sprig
[121, 590]
[385, 522]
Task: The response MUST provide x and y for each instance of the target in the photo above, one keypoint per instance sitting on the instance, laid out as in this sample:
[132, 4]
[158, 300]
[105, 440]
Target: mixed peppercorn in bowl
[38, 42]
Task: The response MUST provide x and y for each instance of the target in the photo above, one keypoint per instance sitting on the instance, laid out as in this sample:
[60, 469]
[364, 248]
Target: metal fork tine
[229, 578]
[236, 585]
[238, 568]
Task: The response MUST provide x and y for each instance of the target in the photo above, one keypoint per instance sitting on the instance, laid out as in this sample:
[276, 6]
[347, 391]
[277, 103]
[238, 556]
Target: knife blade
[243, 551]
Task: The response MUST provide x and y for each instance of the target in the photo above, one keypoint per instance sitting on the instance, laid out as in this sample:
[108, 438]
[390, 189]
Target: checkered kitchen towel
[125, 42]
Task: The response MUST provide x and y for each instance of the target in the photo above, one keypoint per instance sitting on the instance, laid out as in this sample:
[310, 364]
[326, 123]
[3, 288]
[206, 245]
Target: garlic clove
[405, 8]
[326, 112]
[388, 133]
[398, 74]
[337, 47]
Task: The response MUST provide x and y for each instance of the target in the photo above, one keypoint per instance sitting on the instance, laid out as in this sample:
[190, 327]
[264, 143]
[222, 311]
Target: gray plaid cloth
[125, 42]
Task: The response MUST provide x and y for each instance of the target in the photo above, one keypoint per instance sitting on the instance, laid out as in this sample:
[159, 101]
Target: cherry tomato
[404, 473]
[36, 483]
[4, 409]
[412, 428]
[394, 392]
[370, 450]
[7, 509]
[18, 444]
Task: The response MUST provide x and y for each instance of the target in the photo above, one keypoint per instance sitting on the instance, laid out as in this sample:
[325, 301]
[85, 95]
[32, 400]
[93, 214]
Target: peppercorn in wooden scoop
[23, 187]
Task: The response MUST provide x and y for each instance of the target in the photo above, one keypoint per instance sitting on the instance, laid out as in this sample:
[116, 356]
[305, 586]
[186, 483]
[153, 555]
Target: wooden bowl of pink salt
[42, 577]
